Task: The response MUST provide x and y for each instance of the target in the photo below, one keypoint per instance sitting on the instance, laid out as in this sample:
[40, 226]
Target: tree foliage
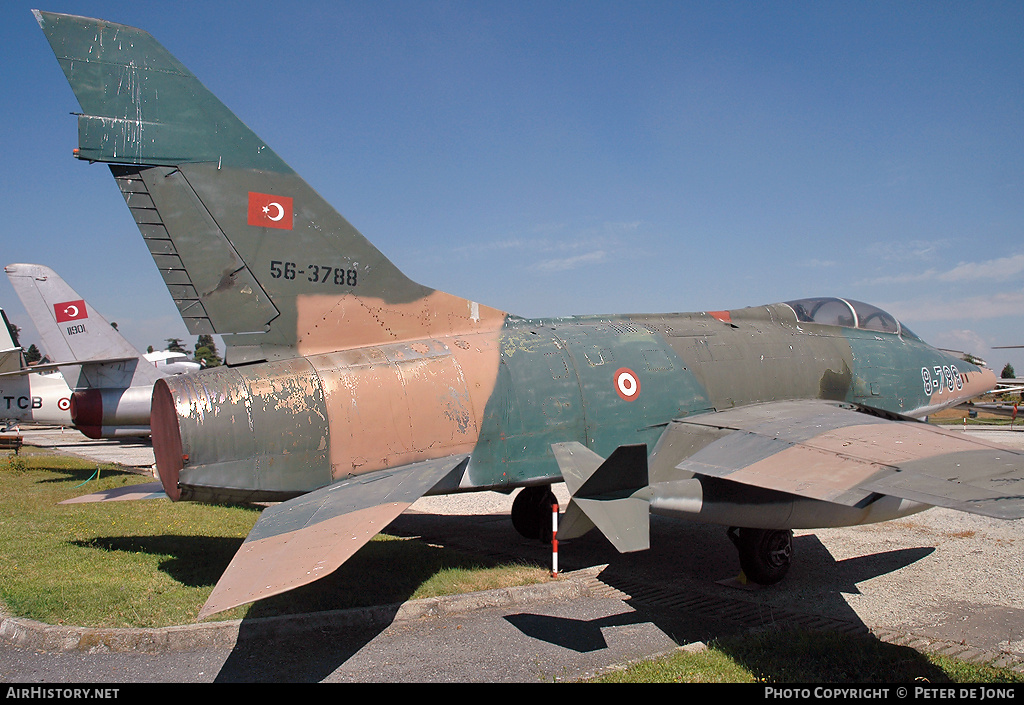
[174, 345]
[206, 351]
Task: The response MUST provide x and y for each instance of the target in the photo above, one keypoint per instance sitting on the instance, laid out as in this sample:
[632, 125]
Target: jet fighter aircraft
[29, 395]
[351, 390]
[111, 381]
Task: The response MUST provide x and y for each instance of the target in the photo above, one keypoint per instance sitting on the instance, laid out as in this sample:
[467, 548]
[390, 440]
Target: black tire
[531, 512]
[765, 554]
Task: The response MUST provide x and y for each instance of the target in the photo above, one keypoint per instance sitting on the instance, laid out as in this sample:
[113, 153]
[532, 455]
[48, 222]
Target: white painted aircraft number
[946, 379]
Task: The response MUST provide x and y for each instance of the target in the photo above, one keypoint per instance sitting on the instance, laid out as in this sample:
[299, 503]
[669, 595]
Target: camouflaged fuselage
[504, 396]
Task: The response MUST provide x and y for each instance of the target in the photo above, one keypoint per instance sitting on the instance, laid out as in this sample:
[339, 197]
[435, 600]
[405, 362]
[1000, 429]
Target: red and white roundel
[627, 384]
[64, 404]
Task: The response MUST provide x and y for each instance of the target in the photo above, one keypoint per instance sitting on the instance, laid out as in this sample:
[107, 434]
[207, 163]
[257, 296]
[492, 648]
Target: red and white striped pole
[554, 540]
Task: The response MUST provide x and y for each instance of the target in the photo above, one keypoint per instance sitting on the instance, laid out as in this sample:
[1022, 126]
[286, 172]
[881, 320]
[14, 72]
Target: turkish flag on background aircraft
[70, 311]
[270, 211]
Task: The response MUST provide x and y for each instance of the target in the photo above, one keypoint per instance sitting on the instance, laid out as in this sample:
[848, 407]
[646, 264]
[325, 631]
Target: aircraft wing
[1008, 386]
[306, 538]
[53, 366]
[835, 452]
[1000, 409]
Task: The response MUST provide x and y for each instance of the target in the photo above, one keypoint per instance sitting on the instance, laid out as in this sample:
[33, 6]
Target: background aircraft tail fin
[10, 351]
[73, 332]
[247, 249]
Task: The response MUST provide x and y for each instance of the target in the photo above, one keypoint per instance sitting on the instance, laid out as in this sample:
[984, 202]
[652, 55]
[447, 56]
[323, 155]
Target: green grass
[1002, 421]
[778, 656]
[152, 563]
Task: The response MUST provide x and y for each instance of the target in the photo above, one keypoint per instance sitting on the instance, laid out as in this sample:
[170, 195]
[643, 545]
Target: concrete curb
[30, 634]
[959, 651]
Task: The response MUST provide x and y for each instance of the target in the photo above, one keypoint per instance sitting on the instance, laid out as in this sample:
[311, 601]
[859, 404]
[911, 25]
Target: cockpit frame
[847, 313]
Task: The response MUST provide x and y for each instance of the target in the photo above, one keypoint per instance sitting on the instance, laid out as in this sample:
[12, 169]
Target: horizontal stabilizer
[307, 538]
[609, 494]
[838, 453]
[54, 366]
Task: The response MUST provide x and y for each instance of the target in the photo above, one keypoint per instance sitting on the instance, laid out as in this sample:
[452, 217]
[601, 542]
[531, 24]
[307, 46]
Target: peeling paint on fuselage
[506, 395]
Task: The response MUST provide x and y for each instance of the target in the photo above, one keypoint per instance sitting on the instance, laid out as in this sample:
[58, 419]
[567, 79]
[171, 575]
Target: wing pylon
[611, 494]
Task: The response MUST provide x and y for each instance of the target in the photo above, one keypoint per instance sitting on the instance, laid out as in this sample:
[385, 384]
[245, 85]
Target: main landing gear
[765, 554]
[531, 512]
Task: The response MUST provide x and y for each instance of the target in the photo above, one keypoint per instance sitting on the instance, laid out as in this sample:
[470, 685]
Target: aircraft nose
[978, 383]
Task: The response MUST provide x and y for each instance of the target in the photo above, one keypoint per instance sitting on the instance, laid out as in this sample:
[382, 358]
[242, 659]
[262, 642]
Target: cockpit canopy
[847, 313]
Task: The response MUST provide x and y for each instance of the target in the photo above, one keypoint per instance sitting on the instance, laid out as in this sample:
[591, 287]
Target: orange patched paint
[408, 381]
[392, 405]
[327, 323]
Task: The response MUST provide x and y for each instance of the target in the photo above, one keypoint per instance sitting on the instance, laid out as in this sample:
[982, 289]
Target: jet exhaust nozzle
[255, 433]
[110, 407]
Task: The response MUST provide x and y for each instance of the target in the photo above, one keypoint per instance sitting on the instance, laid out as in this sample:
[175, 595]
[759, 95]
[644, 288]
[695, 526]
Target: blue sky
[555, 158]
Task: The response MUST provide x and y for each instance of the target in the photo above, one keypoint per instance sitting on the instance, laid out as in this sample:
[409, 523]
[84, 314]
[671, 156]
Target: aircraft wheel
[531, 512]
[765, 554]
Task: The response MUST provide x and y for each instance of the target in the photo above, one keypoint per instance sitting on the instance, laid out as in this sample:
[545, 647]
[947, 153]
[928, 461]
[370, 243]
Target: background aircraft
[27, 396]
[351, 390]
[111, 381]
[172, 363]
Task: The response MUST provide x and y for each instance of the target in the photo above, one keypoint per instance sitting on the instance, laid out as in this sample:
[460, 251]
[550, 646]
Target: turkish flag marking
[269, 211]
[70, 311]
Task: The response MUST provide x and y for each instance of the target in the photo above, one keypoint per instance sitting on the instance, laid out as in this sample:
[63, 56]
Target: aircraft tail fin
[73, 332]
[610, 494]
[247, 249]
[10, 351]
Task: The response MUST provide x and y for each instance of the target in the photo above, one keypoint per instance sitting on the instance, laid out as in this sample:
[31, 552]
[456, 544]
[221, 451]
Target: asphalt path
[936, 581]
